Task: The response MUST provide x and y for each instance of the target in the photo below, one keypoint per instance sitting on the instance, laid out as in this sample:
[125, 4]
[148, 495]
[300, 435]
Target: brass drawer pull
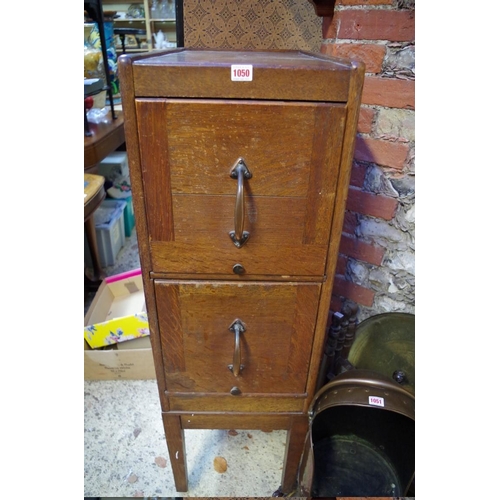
[240, 171]
[237, 327]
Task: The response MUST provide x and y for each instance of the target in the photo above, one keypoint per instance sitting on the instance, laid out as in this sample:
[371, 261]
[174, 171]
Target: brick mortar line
[354, 40]
[366, 7]
[365, 41]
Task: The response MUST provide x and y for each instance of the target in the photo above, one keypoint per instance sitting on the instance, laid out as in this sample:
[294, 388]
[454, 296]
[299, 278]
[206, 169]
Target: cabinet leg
[174, 435]
[294, 446]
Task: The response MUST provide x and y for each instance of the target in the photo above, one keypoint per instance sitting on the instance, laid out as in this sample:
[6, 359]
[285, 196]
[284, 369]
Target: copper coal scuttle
[361, 439]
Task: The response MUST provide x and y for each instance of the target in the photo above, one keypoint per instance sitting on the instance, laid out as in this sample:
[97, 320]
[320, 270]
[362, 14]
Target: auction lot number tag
[241, 72]
[375, 401]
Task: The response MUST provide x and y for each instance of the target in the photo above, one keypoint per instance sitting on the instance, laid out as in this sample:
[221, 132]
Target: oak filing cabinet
[240, 165]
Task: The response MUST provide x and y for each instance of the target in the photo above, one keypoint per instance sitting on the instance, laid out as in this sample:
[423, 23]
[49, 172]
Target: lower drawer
[238, 340]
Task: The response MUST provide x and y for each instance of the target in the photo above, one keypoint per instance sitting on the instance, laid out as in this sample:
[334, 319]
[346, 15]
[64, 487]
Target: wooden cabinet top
[279, 74]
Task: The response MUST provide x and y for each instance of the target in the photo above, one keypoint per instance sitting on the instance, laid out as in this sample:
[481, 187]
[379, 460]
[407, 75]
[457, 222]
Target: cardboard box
[118, 311]
[118, 297]
[119, 364]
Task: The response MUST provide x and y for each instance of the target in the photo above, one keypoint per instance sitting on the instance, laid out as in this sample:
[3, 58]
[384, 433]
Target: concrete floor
[126, 453]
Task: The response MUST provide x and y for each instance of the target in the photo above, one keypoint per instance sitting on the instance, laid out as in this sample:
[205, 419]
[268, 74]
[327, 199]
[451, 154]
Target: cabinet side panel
[127, 87]
[304, 314]
[325, 159]
[352, 115]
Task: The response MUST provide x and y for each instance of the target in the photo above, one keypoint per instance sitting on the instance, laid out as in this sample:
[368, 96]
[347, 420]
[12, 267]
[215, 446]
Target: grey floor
[125, 449]
[126, 453]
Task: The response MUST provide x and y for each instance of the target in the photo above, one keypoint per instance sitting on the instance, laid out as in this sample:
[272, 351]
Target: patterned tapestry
[252, 24]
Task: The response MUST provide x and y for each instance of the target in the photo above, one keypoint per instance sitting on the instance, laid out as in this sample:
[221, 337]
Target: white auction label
[241, 72]
[375, 400]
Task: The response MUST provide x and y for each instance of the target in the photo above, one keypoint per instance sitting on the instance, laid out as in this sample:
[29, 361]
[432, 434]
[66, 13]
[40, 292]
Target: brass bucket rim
[351, 388]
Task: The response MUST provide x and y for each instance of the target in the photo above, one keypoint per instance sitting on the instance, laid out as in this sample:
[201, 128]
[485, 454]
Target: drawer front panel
[292, 151]
[198, 346]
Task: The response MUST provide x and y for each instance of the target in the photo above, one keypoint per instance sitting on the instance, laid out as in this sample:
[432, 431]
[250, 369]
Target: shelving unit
[170, 27]
[94, 9]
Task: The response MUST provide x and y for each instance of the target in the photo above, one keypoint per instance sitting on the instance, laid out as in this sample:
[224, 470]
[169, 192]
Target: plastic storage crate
[128, 216]
[110, 231]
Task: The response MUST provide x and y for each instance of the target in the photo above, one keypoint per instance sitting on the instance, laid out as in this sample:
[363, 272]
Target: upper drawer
[280, 214]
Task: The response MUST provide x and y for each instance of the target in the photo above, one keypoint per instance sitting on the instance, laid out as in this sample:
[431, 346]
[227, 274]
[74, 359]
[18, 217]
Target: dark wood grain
[323, 8]
[153, 140]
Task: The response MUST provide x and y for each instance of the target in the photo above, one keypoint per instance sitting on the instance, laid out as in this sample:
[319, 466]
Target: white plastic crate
[110, 232]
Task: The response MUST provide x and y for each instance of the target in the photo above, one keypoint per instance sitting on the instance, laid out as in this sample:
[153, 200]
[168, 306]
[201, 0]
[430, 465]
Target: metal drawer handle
[237, 327]
[240, 171]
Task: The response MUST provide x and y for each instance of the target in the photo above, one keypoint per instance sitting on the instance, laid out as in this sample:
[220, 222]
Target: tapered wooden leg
[294, 447]
[174, 435]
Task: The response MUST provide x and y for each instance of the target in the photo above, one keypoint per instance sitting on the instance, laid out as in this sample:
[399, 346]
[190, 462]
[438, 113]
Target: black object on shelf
[92, 86]
[122, 32]
[179, 22]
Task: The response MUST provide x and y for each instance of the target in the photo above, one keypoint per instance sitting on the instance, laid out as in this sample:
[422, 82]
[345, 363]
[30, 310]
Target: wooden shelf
[105, 138]
[130, 20]
[150, 25]
[131, 50]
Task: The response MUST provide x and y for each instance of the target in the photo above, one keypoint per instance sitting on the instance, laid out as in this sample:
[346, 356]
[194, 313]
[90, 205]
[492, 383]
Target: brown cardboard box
[119, 364]
[129, 360]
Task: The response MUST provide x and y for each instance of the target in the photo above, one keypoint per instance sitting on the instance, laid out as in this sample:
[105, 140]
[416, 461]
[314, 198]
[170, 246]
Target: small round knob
[238, 269]
[399, 376]
[235, 391]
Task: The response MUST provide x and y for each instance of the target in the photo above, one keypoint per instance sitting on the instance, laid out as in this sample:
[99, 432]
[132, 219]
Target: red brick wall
[367, 30]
